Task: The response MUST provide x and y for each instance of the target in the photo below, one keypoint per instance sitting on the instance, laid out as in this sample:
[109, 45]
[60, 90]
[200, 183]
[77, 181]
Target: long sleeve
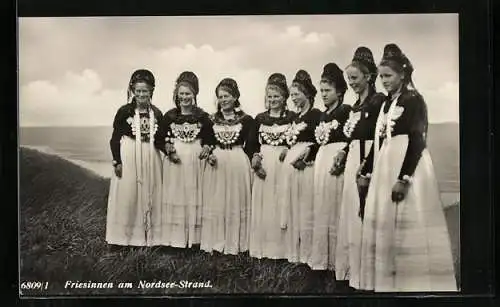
[313, 151]
[417, 122]
[251, 142]
[343, 117]
[116, 136]
[313, 120]
[206, 134]
[255, 137]
[159, 137]
[365, 127]
[163, 133]
[367, 168]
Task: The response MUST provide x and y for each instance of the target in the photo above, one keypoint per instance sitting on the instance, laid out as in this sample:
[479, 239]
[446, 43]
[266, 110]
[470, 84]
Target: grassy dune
[63, 215]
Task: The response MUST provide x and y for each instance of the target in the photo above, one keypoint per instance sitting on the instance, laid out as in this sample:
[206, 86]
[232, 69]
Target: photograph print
[215, 155]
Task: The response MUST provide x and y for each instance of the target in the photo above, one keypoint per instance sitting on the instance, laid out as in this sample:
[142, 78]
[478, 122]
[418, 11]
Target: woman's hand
[338, 166]
[261, 173]
[212, 160]
[340, 158]
[400, 190]
[118, 170]
[256, 161]
[363, 183]
[205, 152]
[174, 158]
[299, 165]
[336, 169]
[169, 148]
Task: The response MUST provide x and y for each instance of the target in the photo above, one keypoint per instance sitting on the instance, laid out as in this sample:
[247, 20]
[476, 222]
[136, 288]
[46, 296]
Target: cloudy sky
[74, 71]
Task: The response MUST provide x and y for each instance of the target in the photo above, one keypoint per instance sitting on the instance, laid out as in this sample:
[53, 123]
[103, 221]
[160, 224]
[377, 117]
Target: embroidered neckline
[146, 126]
[219, 119]
[196, 114]
[227, 134]
[266, 119]
[387, 120]
[185, 132]
[274, 135]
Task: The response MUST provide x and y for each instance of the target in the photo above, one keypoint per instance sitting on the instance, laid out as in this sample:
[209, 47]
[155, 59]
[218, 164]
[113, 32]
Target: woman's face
[274, 99]
[391, 80]
[185, 96]
[358, 80]
[328, 93]
[298, 97]
[226, 100]
[142, 92]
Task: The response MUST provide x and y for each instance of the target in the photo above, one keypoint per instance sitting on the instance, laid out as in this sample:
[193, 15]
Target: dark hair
[277, 81]
[364, 70]
[333, 75]
[394, 58]
[363, 60]
[190, 80]
[303, 82]
[141, 75]
[229, 85]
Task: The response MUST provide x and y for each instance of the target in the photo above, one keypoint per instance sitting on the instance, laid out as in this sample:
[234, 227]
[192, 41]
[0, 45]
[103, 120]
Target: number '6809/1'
[28, 285]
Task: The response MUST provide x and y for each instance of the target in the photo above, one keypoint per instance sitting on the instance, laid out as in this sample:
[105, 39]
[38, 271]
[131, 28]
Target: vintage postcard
[259, 154]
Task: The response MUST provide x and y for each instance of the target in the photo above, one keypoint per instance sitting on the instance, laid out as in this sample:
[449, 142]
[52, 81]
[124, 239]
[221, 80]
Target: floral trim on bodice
[147, 126]
[294, 131]
[274, 135]
[390, 117]
[351, 123]
[323, 130]
[185, 132]
[227, 134]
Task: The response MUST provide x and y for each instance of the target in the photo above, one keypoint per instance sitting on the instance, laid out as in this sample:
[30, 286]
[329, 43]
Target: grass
[63, 216]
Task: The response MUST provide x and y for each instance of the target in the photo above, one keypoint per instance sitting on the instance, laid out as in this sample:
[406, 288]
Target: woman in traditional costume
[405, 241]
[134, 203]
[186, 129]
[267, 238]
[328, 185]
[359, 130]
[228, 177]
[297, 188]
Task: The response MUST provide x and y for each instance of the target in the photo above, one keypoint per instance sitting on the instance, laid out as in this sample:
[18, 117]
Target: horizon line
[110, 126]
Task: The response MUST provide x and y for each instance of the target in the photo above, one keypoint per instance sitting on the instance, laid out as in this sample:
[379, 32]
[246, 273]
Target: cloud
[74, 71]
[85, 97]
[78, 99]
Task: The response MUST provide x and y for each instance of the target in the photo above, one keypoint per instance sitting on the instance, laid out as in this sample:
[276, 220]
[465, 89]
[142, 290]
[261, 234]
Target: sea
[89, 148]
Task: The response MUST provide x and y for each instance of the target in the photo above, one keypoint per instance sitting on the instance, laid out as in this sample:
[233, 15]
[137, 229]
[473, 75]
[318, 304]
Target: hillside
[63, 213]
